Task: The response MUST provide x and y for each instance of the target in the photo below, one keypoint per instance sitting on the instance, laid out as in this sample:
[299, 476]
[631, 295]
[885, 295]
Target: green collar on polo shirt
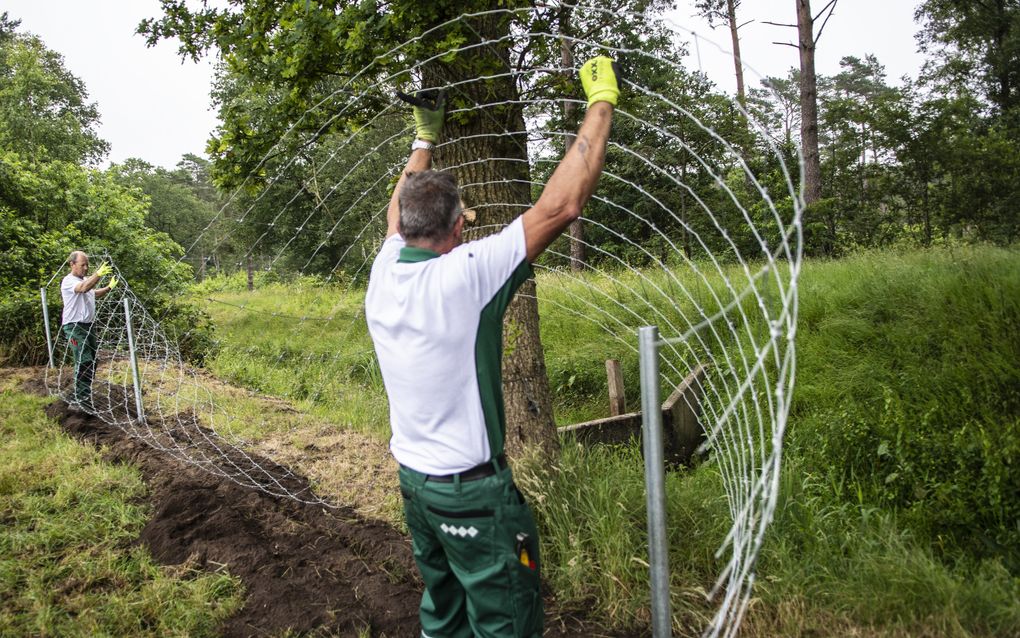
[412, 254]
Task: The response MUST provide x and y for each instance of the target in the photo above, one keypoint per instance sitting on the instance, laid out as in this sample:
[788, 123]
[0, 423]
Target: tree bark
[500, 191]
[808, 104]
[738, 65]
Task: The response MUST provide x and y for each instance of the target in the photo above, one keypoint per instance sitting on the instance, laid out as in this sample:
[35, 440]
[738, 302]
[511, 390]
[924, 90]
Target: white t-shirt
[78, 306]
[437, 325]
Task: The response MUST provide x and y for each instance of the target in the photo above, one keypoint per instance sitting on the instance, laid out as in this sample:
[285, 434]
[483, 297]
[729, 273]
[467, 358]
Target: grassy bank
[69, 561]
[899, 501]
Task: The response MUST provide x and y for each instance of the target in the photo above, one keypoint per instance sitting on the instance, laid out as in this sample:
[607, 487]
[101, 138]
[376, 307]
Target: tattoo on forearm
[581, 144]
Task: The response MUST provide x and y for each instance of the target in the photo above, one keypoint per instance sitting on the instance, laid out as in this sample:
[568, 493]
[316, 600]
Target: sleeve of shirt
[67, 285]
[491, 263]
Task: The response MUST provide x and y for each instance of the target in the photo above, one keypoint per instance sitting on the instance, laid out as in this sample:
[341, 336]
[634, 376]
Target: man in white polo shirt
[79, 293]
[435, 312]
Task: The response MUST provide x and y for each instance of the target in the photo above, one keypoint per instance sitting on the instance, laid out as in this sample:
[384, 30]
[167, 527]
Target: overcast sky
[156, 107]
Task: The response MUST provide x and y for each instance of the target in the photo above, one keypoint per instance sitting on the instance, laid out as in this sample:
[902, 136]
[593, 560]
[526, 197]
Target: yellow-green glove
[429, 112]
[113, 282]
[103, 270]
[599, 79]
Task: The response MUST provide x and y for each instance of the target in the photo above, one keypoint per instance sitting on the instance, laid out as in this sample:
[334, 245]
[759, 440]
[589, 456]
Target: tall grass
[69, 561]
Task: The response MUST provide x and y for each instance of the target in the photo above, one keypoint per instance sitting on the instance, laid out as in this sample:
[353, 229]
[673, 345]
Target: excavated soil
[307, 569]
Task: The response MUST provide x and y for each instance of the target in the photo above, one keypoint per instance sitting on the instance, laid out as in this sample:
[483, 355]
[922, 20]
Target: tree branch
[779, 24]
[832, 8]
[829, 5]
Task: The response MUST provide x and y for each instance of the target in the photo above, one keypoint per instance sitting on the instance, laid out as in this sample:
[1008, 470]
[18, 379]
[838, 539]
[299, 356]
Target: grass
[899, 488]
[69, 561]
[326, 366]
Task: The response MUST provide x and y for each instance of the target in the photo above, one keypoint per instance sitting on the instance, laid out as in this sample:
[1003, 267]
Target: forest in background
[932, 160]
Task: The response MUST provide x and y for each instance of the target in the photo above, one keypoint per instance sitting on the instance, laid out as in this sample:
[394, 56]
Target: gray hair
[429, 205]
[73, 258]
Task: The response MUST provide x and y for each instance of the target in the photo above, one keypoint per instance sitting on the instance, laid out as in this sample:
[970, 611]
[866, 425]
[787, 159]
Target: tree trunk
[808, 104]
[738, 65]
[503, 186]
[578, 254]
[683, 201]
[251, 274]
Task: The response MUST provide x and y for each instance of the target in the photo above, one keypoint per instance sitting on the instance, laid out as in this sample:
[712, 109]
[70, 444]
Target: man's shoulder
[509, 241]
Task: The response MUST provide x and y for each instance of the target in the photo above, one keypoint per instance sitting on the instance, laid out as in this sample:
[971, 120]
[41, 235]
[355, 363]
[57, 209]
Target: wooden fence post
[617, 400]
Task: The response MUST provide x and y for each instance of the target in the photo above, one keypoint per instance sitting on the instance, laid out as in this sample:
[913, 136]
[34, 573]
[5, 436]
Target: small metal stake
[46, 324]
[655, 481]
[134, 362]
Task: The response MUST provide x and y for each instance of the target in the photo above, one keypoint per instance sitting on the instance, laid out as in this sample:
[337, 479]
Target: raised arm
[102, 292]
[92, 280]
[420, 160]
[574, 180]
[429, 113]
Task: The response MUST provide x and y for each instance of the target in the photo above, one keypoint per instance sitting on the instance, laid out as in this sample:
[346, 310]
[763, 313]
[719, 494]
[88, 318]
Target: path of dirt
[306, 568]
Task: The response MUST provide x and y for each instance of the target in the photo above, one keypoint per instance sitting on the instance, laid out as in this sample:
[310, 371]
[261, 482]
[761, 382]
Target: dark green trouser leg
[84, 348]
[467, 539]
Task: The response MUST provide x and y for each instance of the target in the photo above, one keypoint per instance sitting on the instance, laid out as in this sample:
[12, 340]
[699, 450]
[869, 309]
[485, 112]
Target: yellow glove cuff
[598, 77]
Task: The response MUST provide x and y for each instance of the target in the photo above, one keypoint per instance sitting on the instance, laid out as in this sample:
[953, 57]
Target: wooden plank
[614, 429]
[617, 400]
[685, 431]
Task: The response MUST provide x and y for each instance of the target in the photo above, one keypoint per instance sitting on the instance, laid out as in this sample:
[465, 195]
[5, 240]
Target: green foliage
[181, 203]
[69, 561]
[975, 45]
[44, 113]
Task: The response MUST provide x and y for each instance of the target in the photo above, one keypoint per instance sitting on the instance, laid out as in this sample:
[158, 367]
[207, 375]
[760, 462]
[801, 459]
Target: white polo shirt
[78, 306]
[437, 324]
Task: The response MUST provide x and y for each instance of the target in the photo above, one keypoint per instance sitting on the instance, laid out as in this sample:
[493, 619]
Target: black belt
[481, 471]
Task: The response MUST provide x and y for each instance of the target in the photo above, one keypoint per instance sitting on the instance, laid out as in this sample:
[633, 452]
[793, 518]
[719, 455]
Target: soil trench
[307, 569]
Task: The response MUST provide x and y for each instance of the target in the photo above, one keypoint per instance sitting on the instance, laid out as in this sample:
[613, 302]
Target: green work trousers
[84, 347]
[476, 546]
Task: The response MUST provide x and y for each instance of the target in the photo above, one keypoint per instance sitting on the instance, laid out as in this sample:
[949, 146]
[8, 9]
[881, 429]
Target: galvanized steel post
[655, 481]
[46, 324]
[134, 362]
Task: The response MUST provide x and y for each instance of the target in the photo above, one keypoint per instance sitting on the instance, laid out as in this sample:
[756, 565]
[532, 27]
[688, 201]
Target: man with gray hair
[435, 312]
[79, 292]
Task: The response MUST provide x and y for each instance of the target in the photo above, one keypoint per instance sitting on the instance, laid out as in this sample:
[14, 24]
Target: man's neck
[438, 247]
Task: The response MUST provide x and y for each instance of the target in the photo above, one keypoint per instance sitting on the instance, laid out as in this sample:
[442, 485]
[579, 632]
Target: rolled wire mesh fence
[693, 230]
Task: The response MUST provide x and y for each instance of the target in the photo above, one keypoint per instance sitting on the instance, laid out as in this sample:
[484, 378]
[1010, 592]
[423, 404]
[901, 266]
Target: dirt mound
[306, 568]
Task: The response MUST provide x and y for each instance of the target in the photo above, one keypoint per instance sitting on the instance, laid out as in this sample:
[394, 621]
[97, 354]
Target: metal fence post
[134, 362]
[46, 324]
[655, 481]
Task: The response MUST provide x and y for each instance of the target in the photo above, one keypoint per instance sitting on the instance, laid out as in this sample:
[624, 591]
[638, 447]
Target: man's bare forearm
[574, 180]
[571, 184]
[420, 160]
[87, 285]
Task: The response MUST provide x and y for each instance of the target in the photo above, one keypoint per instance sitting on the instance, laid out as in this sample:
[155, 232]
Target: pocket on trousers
[525, 580]
[466, 535]
[527, 601]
